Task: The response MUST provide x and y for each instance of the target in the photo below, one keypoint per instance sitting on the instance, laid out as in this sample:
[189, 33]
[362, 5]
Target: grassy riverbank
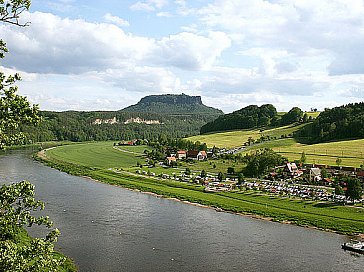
[328, 216]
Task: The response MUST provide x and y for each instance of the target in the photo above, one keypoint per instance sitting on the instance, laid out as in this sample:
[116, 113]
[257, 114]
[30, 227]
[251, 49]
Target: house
[181, 154]
[197, 155]
[192, 154]
[360, 175]
[171, 160]
[202, 155]
[291, 170]
[315, 174]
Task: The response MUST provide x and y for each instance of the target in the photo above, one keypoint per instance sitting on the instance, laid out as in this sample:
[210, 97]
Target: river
[107, 228]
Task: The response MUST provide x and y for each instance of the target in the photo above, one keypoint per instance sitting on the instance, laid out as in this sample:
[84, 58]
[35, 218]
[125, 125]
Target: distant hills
[172, 115]
[248, 117]
[181, 115]
[173, 105]
[338, 123]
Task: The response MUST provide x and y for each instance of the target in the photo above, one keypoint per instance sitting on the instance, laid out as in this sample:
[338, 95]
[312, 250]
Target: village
[292, 179]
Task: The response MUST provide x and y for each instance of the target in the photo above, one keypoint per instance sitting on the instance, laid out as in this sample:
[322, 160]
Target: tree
[230, 170]
[17, 200]
[16, 204]
[303, 157]
[294, 115]
[14, 109]
[261, 161]
[339, 190]
[354, 189]
[220, 176]
[240, 178]
[324, 173]
[338, 161]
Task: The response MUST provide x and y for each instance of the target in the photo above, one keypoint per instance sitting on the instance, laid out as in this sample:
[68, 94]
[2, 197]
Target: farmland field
[226, 139]
[97, 154]
[236, 138]
[351, 152]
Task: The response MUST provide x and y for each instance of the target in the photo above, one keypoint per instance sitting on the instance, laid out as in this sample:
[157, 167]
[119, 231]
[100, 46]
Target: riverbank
[329, 217]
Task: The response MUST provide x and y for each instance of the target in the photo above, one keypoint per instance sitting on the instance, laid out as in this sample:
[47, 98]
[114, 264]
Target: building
[181, 154]
[315, 174]
[197, 155]
[171, 160]
[291, 170]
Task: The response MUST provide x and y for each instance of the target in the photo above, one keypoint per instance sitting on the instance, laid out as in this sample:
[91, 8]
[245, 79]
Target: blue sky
[106, 55]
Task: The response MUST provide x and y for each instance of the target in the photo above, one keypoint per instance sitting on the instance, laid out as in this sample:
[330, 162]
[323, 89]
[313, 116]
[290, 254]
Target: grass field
[306, 213]
[97, 154]
[351, 152]
[226, 139]
[236, 138]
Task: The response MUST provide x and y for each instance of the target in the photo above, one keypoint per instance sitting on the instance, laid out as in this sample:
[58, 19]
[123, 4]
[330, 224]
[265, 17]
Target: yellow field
[351, 152]
[236, 138]
[226, 139]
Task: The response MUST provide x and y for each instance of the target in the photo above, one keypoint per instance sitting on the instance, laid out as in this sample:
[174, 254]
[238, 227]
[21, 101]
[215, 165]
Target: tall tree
[14, 109]
[17, 200]
[354, 189]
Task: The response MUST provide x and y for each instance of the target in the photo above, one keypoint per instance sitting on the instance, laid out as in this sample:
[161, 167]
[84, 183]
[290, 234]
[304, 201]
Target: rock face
[171, 99]
[173, 104]
[139, 120]
[100, 121]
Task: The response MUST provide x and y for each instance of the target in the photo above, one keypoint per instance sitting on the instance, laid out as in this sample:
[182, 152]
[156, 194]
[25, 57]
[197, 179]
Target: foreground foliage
[19, 252]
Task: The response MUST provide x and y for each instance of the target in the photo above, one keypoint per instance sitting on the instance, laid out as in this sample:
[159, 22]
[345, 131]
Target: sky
[106, 55]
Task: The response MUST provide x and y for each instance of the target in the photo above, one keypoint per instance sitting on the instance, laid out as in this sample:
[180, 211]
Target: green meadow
[236, 138]
[97, 154]
[95, 159]
[351, 152]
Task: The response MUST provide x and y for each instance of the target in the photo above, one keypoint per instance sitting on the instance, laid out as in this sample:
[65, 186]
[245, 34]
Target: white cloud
[116, 20]
[332, 27]
[164, 14]
[190, 51]
[149, 5]
[55, 45]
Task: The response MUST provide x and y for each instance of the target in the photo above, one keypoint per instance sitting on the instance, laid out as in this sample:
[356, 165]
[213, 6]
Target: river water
[106, 228]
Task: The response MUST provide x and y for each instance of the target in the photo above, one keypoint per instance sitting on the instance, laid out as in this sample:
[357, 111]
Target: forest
[176, 116]
[344, 122]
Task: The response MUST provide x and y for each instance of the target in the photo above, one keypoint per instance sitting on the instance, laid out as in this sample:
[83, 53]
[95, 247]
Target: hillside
[344, 122]
[172, 115]
[249, 117]
[173, 105]
[281, 140]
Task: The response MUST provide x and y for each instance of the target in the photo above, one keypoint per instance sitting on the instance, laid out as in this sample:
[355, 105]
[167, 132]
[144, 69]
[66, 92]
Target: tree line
[344, 122]
[80, 126]
[254, 116]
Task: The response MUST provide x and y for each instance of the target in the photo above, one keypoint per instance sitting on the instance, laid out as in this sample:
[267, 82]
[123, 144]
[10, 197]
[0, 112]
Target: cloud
[65, 46]
[149, 5]
[190, 51]
[55, 45]
[116, 20]
[332, 27]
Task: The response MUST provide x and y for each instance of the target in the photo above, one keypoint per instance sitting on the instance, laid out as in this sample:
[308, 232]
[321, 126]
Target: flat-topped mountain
[174, 104]
[172, 115]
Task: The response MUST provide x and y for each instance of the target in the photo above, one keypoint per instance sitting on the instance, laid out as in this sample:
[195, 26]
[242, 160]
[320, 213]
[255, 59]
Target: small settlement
[305, 181]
